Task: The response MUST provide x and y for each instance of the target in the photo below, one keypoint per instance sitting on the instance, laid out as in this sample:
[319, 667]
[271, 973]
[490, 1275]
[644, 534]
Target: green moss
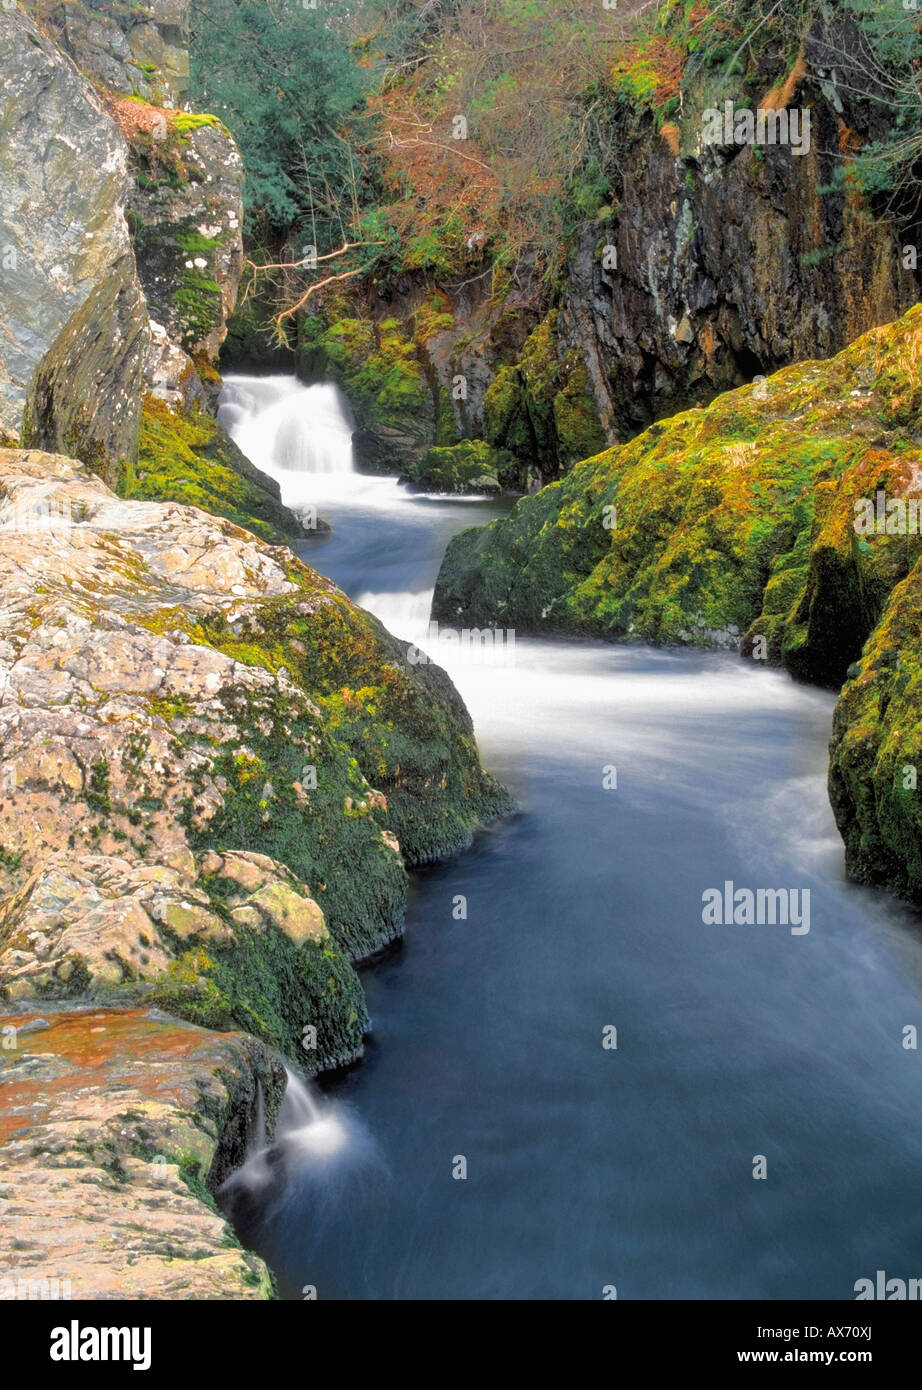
[405, 727]
[470, 466]
[185, 456]
[731, 518]
[876, 750]
[541, 409]
[270, 987]
[378, 367]
[446, 425]
[185, 122]
[167, 253]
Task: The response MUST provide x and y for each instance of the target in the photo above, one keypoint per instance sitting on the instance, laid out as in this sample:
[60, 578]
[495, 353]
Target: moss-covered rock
[541, 409]
[735, 519]
[186, 456]
[379, 369]
[186, 215]
[470, 466]
[876, 750]
[222, 767]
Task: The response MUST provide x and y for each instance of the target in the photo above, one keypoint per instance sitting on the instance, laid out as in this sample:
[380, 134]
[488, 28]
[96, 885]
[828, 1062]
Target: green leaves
[284, 81]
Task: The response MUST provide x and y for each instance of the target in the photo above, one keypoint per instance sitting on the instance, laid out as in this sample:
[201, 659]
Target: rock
[155, 722]
[170, 373]
[75, 328]
[541, 409]
[378, 367]
[731, 264]
[876, 750]
[186, 213]
[117, 1126]
[140, 49]
[185, 455]
[295, 914]
[735, 518]
[469, 467]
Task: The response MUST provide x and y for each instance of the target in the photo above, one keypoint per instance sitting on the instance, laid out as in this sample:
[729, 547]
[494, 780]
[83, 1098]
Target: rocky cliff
[707, 265]
[121, 251]
[731, 260]
[139, 49]
[75, 324]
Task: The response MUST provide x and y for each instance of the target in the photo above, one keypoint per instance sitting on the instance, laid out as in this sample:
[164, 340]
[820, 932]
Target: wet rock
[156, 722]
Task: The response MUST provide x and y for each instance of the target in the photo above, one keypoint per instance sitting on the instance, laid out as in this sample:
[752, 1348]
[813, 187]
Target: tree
[284, 81]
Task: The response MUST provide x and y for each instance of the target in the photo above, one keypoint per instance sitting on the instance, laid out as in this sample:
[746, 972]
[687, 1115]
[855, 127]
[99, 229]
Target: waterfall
[284, 426]
[306, 1127]
[314, 1140]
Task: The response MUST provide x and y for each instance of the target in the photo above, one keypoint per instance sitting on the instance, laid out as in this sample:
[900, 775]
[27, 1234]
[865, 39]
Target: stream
[591, 1166]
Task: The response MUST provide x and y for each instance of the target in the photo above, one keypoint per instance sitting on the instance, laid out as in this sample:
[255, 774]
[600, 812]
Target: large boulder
[726, 523]
[174, 695]
[75, 326]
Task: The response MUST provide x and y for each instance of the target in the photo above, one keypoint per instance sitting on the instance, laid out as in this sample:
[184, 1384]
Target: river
[644, 777]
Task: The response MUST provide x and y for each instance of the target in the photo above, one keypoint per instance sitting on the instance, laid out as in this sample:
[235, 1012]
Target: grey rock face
[188, 241]
[140, 51]
[75, 323]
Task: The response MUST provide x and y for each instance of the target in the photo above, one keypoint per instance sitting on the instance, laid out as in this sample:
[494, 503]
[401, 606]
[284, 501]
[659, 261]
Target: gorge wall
[707, 265]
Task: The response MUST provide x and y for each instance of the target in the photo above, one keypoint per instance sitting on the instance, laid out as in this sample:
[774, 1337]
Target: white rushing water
[315, 1142]
[288, 429]
[633, 1166]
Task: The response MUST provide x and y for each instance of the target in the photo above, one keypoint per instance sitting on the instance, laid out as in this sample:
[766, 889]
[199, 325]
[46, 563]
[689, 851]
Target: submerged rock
[471, 466]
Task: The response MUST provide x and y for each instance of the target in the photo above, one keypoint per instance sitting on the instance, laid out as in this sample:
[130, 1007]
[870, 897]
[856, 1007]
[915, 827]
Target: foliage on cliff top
[452, 138]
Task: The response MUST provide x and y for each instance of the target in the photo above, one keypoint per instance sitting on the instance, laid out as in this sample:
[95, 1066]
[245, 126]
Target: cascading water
[631, 1166]
[289, 429]
[315, 1141]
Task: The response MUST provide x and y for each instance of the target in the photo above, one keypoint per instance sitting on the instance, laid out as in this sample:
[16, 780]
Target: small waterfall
[284, 426]
[315, 1141]
[309, 1128]
[405, 614]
